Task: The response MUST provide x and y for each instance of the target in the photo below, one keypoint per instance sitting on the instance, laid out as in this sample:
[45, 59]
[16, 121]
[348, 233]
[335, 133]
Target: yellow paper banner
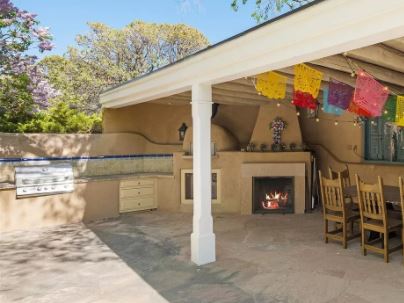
[400, 111]
[271, 85]
[307, 79]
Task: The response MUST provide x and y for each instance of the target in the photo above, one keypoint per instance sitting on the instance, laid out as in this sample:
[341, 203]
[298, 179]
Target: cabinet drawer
[136, 192]
[138, 182]
[130, 204]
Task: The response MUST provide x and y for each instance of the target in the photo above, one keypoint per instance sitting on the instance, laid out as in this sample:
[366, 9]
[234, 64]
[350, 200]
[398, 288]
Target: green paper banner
[389, 111]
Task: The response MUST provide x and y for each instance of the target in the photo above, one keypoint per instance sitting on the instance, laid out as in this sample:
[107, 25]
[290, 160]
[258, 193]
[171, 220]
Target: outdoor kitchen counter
[6, 185]
[11, 185]
[122, 177]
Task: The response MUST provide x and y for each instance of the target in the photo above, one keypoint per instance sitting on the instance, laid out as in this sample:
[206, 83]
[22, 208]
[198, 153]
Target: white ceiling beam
[380, 54]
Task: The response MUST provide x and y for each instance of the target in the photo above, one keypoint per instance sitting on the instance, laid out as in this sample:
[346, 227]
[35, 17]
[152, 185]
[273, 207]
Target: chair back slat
[371, 200]
[332, 194]
[343, 175]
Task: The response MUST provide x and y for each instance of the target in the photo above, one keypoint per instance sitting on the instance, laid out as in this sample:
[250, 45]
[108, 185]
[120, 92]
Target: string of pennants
[368, 99]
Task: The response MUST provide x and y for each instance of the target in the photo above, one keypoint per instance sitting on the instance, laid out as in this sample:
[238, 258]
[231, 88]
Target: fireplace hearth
[273, 195]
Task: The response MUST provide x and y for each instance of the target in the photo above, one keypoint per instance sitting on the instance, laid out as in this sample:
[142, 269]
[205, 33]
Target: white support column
[203, 249]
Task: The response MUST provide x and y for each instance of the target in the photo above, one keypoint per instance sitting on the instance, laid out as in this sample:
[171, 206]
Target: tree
[263, 8]
[19, 31]
[24, 88]
[106, 56]
[60, 118]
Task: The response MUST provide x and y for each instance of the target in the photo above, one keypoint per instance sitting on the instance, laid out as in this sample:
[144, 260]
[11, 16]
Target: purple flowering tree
[23, 85]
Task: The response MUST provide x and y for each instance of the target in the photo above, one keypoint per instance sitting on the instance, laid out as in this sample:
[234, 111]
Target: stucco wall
[344, 147]
[231, 182]
[126, 132]
[158, 122]
[238, 119]
[68, 145]
[89, 201]
[224, 140]
[344, 140]
[262, 133]
[92, 199]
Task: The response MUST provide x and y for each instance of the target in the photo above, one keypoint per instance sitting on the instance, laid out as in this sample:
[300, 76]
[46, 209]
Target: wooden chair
[344, 175]
[336, 210]
[401, 185]
[374, 218]
[346, 182]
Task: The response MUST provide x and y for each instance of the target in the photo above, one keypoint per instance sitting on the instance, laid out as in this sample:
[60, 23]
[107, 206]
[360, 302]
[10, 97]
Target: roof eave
[273, 45]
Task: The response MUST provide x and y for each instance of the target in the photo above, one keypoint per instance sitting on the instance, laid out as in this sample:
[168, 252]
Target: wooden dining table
[391, 195]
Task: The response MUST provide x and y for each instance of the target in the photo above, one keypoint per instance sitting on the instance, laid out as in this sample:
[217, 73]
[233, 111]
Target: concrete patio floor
[144, 257]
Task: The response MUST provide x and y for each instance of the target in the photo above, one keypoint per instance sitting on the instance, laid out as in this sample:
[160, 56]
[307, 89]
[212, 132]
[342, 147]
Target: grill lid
[38, 180]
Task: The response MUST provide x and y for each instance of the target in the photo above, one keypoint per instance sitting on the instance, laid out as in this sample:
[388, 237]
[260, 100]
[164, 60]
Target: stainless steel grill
[41, 180]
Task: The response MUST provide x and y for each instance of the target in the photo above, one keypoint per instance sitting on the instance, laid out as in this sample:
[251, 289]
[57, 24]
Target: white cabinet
[139, 194]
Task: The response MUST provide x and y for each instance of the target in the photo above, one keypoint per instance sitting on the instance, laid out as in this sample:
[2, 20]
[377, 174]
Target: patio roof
[319, 33]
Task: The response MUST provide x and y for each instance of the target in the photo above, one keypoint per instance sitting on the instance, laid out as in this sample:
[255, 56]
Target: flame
[275, 200]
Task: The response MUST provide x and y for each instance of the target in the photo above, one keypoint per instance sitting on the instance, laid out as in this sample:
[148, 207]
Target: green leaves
[59, 118]
[264, 8]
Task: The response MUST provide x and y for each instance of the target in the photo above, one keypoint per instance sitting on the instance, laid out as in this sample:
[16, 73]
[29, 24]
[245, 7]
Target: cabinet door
[136, 192]
[130, 204]
[137, 195]
[136, 183]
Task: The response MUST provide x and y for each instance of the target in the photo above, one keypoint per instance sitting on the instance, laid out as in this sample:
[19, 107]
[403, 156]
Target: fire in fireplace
[273, 195]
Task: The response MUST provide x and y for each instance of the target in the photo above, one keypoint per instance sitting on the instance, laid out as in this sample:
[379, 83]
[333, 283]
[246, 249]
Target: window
[187, 192]
[384, 141]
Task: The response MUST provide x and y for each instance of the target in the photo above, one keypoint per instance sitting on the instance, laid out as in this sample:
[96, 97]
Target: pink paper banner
[370, 95]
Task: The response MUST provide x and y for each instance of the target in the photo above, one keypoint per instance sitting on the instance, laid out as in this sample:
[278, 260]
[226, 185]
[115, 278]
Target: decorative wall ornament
[293, 146]
[250, 147]
[271, 85]
[307, 80]
[278, 126]
[339, 94]
[389, 111]
[400, 111]
[370, 95]
[263, 147]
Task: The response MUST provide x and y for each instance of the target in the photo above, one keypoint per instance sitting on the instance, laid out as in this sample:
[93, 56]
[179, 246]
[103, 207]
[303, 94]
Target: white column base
[203, 248]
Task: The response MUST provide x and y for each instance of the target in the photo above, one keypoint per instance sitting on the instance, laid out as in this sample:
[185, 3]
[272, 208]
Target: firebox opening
[273, 195]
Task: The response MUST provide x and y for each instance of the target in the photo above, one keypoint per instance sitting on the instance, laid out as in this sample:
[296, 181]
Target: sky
[67, 18]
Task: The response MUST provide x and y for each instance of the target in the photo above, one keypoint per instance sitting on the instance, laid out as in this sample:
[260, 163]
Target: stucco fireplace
[272, 195]
[273, 187]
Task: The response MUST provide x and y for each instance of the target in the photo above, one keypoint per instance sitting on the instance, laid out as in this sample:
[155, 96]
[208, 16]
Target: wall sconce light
[181, 131]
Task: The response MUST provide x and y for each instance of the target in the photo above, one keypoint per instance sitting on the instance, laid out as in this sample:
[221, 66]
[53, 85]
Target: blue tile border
[5, 160]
